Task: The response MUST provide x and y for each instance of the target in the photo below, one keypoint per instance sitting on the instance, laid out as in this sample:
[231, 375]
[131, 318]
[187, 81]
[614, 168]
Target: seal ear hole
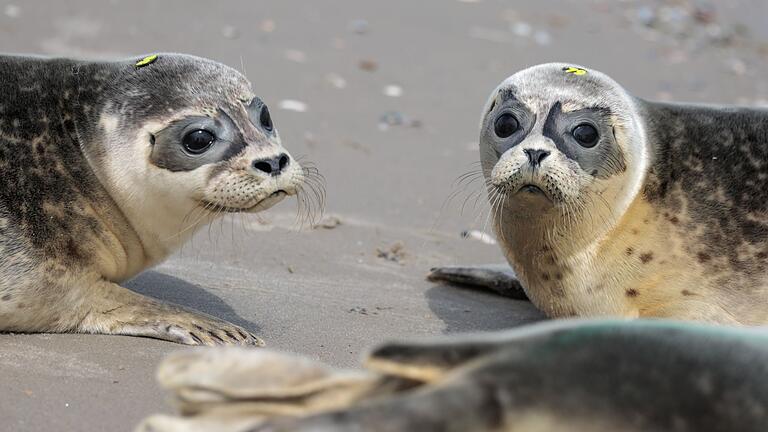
[152, 139]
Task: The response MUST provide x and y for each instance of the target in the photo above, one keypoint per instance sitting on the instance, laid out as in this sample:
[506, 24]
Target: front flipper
[499, 278]
[107, 308]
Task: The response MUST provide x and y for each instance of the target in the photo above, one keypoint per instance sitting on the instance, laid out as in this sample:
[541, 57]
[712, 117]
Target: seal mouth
[263, 204]
[531, 189]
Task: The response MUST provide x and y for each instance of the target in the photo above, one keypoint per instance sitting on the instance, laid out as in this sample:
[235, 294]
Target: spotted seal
[608, 204]
[561, 376]
[107, 168]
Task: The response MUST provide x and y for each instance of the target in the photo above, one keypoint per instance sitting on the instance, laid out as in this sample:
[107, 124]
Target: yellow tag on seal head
[574, 70]
[146, 61]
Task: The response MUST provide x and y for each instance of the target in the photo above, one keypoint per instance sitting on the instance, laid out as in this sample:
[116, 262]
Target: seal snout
[536, 156]
[272, 166]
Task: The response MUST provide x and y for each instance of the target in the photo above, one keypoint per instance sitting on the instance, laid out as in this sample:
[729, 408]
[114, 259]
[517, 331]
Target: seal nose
[535, 156]
[273, 166]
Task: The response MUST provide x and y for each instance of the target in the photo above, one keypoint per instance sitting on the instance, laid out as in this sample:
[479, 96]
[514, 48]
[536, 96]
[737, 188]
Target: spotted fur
[83, 204]
[672, 200]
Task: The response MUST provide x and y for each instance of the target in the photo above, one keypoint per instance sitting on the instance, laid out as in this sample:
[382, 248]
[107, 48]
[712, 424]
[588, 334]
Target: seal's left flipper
[498, 278]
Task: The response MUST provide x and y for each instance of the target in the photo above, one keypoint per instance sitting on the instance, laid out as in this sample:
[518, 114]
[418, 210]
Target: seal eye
[265, 119]
[506, 124]
[198, 141]
[585, 134]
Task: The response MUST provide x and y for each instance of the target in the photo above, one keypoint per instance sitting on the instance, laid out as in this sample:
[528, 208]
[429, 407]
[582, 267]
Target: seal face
[108, 168]
[607, 204]
[549, 144]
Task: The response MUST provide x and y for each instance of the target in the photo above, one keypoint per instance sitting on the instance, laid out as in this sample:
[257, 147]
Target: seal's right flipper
[498, 278]
[108, 308]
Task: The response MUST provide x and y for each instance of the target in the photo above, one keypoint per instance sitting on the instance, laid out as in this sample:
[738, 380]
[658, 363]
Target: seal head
[186, 137]
[561, 143]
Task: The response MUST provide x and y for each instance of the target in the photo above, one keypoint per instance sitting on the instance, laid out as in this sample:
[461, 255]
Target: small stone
[391, 118]
[395, 253]
[328, 222]
[522, 29]
[393, 91]
[368, 65]
[267, 26]
[336, 80]
[737, 66]
[293, 105]
[296, 56]
[12, 11]
[542, 37]
[647, 16]
[359, 26]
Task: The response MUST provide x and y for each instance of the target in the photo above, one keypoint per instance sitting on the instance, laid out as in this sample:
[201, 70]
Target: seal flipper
[428, 361]
[498, 278]
[108, 308]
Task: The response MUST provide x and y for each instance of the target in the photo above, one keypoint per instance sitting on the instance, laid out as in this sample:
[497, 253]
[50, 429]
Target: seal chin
[263, 204]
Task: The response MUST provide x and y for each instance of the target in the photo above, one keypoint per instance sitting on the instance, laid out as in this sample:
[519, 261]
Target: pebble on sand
[293, 105]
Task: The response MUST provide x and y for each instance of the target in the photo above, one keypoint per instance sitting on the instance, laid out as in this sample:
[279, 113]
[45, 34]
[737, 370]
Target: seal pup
[564, 375]
[107, 168]
[607, 204]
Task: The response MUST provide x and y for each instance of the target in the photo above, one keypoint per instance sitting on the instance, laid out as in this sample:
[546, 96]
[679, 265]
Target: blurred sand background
[385, 97]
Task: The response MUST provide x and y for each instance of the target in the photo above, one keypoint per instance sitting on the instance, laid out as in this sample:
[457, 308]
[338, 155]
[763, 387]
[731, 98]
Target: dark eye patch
[168, 151]
[601, 158]
[507, 108]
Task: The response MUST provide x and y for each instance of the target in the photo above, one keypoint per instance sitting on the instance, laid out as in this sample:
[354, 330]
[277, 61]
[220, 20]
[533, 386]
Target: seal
[565, 375]
[107, 168]
[608, 204]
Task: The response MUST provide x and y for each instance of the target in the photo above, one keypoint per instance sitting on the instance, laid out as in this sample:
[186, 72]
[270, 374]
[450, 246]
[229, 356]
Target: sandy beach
[385, 98]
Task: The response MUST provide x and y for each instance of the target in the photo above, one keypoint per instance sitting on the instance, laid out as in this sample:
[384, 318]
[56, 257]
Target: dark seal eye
[265, 119]
[506, 124]
[586, 135]
[198, 141]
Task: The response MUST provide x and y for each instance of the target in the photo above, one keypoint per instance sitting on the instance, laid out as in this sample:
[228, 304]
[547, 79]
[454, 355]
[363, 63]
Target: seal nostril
[536, 156]
[263, 166]
[283, 162]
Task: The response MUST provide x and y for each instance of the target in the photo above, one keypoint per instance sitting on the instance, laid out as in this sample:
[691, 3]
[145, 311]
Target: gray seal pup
[605, 204]
[557, 376]
[107, 168]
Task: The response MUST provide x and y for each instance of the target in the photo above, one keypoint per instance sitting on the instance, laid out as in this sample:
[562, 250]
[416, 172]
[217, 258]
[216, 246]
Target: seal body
[608, 204]
[565, 375]
[107, 168]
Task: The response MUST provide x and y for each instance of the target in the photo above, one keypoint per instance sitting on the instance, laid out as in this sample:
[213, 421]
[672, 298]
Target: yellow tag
[148, 60]
[575, 70]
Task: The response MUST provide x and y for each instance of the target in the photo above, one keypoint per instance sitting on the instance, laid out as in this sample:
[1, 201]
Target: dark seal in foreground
[608, 204]
[107, 168]
[556, 376]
